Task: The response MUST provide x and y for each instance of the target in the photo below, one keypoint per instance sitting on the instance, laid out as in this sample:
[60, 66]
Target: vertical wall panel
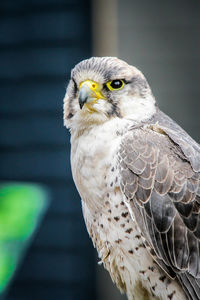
[162, 39]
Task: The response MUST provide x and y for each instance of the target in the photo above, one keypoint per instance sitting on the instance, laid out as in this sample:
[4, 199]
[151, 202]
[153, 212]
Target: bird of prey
[137, 173]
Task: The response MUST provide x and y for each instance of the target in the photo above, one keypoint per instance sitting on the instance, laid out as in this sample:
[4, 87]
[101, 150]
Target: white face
[105, 88]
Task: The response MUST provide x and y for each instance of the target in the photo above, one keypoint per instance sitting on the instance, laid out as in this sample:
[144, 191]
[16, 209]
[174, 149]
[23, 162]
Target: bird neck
[138, 109]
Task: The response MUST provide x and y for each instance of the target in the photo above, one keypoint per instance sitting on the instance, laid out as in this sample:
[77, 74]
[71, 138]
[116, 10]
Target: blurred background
[45, 251]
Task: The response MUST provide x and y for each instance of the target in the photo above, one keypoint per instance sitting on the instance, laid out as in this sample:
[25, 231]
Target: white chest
[92, 155]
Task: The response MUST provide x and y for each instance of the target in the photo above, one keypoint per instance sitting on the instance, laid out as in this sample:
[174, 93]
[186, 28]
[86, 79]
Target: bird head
[102, 88]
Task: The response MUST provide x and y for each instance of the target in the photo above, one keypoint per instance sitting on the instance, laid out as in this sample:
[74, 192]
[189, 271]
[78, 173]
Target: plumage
[137, 173]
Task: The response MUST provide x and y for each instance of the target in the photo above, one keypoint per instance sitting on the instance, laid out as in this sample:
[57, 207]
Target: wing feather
[162, 186]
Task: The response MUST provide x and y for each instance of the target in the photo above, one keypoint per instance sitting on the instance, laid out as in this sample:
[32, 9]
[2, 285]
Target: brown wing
[163, 191]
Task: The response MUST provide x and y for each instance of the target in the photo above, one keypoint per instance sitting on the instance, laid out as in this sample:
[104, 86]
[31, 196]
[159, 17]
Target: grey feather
[163, 211]
[165, 197]
[190, 148]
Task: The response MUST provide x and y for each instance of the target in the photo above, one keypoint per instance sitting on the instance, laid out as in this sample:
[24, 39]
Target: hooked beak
[89, 93]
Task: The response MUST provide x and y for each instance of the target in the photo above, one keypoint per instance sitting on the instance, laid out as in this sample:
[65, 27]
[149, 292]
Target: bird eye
[115, 85]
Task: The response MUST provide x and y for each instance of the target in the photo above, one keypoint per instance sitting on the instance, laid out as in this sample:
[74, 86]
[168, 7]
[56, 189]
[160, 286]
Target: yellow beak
[89, 93]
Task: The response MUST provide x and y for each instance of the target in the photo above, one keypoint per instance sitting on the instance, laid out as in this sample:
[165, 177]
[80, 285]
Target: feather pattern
[159, 167]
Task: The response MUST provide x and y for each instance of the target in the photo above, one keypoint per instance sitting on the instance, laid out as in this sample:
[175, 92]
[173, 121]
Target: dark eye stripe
[75, 86]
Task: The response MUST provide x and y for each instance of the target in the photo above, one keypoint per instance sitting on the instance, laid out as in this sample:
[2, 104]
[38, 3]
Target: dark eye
[115, 84]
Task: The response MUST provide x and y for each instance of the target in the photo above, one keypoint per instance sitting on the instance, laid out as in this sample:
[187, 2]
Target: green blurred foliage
[21, 208]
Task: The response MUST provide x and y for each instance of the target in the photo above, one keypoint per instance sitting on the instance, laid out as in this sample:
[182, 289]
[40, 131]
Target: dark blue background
[40, 41]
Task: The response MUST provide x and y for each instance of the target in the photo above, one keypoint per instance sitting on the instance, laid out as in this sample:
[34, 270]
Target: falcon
[137, 173]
